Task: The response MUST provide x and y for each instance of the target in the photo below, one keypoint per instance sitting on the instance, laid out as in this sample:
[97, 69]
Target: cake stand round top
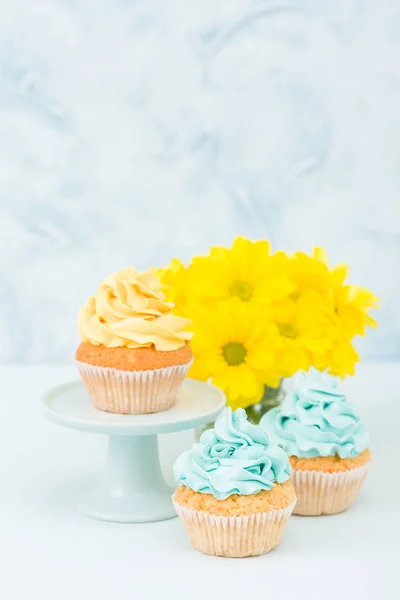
[69, 405]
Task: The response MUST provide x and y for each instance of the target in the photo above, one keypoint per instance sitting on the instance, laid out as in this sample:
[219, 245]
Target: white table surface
[48, 550]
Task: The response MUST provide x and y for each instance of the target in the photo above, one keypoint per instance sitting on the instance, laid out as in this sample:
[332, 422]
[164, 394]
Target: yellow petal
[247, 381]
[317, 345]
[198, 370]
[241, 402]
[292, 359]
[260, 356]
[352, 319]
[276, 288]
[320, 255]
[283, 311]
[272, 379]
[339, 274]
[209, 328]
[370, 322]
[210, 278]
[222, 380]
[362, 296]
[240, 256]
[215, 363]
[345, 354]
[233, 318]
[322, 361]
[244, 388]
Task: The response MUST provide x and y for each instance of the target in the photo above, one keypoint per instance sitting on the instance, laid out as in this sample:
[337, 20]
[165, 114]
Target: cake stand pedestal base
[133, 489]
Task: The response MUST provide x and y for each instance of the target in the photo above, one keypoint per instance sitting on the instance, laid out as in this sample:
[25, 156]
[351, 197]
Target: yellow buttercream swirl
[129, 309]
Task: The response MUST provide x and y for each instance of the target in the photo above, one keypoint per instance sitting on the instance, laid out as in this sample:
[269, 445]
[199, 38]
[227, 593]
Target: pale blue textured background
[133, 131]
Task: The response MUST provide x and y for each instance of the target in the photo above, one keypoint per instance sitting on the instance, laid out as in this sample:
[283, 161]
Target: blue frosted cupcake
[327, 444]
[235, 495]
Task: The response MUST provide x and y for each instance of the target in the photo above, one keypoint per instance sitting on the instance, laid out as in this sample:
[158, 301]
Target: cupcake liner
[133, 392]
[321, 493]
[235, 537]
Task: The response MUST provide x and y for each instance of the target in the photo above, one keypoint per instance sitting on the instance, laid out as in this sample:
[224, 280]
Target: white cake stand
[133, 489]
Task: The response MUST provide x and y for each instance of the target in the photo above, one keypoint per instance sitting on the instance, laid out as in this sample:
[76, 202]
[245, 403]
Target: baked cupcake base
[132, 381]
[328, 485]
[238, 526]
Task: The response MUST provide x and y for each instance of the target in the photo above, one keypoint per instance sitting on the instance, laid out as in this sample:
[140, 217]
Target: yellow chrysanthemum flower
[235, 345]
[246, 271]
[311, 328]
[322, 316]
[350, 303]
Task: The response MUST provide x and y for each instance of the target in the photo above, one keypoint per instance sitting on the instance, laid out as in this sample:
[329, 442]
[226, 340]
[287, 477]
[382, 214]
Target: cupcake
[326, 441]
[234, 496]
[134, 353]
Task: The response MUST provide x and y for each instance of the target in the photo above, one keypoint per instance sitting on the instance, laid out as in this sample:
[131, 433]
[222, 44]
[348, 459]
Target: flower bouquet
[259, 317]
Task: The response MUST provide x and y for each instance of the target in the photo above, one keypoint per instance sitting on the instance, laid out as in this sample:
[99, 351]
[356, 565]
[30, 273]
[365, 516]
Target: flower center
[241, 289]
[287, 330]
[234, 353]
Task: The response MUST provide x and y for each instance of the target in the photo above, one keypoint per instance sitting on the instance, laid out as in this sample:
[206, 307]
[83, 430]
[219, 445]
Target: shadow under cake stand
[133, 489]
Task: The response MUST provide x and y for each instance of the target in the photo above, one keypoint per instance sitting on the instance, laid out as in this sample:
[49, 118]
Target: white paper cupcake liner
[234, 537]
[321, 493]
[133, 392]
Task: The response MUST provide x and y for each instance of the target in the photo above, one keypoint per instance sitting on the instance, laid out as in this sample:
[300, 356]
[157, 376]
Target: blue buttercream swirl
[235, 457]
[315, 419]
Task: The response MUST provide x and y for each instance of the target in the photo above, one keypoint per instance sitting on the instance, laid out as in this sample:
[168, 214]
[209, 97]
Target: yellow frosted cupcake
[134, 353]
[234, 496]
[327, 443]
